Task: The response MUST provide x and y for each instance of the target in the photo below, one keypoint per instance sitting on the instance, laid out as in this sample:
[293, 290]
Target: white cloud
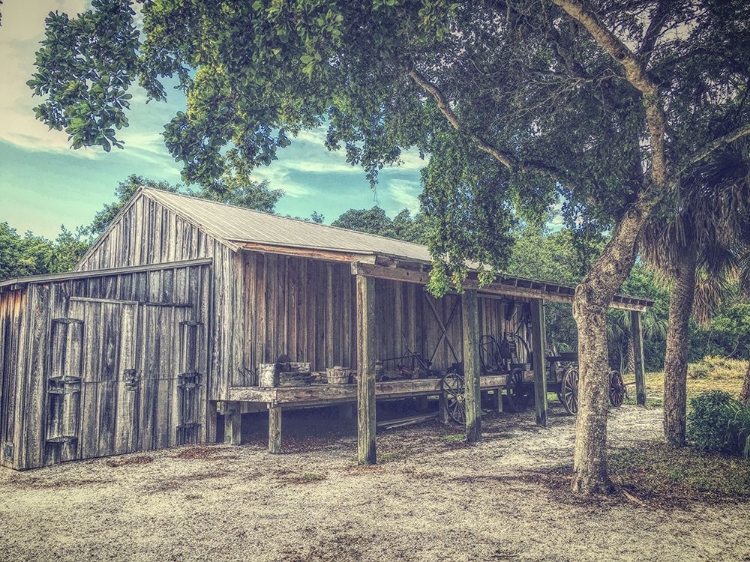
[405, 193]
[411, 160]
[279, 178]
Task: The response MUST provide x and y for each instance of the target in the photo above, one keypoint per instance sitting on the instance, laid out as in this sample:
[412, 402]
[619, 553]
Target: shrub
[708, 422]
[719, 423]
[739, 428]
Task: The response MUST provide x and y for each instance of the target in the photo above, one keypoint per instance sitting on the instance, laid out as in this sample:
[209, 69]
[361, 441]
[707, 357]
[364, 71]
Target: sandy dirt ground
[431, 498]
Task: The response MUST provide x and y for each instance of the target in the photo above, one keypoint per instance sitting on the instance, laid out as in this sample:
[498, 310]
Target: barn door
[89, 413]
[125, 377]
[173, 373]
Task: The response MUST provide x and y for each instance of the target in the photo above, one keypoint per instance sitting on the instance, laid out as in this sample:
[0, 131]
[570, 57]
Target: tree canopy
[375, 221]
[21, 256]
[515, 102]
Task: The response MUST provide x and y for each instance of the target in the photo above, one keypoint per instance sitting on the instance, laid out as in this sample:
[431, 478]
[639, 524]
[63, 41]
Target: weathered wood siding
[109, 365]
[298, 307]
[149, 233]
[409, 319]
[13, 325]
[306, 309]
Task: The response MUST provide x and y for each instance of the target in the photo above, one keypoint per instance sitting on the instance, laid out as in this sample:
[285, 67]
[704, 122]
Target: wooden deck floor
[322, 394]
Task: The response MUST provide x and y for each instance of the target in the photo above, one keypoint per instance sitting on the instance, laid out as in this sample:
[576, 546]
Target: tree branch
[714, 145]
[505, 158]
[654, 30]
[637, 76]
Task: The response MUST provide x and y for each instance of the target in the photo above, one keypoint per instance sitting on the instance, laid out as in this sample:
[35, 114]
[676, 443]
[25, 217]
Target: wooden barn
[183, 313]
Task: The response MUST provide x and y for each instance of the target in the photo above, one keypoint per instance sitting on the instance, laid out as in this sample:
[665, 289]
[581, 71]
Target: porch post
[232, 424]
[640, 371]
[274, 429]
[366, 425]
[538, 332]
[472, 394]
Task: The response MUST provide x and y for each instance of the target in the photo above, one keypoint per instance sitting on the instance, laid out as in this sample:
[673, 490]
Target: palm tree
[697, 251]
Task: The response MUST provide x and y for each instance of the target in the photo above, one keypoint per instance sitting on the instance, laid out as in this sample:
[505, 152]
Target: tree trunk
[675, 362]
[631, 356]
[745, 392]
[592, 299]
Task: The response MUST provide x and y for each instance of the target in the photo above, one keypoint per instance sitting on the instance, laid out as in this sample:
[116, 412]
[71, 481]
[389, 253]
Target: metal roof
[238, 225]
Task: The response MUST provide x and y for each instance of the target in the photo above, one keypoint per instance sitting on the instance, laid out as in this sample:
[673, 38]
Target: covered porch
[385, 311]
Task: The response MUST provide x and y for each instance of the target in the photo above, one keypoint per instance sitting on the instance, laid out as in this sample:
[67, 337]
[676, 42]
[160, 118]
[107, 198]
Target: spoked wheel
[569, 390]
[616, 389]
[453, 391]
[518, 397]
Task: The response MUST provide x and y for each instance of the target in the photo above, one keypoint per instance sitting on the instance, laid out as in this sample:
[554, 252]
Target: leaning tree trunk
[745, 392]
[676, 360]
[592, 299]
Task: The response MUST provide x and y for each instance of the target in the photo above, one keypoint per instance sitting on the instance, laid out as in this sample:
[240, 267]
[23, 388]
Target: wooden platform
[324, 394]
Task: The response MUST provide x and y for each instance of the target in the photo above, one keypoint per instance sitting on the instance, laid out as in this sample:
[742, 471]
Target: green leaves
[84, 68]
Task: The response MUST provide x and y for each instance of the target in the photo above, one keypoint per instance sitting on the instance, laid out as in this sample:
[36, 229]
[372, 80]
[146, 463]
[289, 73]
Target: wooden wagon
[513, 358]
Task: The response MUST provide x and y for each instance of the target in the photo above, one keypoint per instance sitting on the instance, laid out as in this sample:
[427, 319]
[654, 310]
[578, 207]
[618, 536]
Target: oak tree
[519, 103]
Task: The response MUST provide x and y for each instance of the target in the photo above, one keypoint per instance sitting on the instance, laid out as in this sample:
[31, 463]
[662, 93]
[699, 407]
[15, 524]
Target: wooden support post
[499, 399]
[232, 424]
[538, 332]
[212, 417]
[366, 423]
[472, 394]
[443, 410]
[346, 411]
[274, 429]
[640, 371]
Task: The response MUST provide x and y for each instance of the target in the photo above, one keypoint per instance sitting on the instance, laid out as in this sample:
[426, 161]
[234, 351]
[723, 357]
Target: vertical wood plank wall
[306, 309]
[298, 307]
[100, 366]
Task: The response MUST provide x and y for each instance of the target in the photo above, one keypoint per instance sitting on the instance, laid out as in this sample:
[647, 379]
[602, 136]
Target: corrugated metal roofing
[236, 224]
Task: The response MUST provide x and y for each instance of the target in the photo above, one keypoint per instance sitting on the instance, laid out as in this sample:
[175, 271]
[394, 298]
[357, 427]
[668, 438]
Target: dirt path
[432, 498]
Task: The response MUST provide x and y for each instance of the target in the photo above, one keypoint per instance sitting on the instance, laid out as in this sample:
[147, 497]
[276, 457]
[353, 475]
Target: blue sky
[44, 184]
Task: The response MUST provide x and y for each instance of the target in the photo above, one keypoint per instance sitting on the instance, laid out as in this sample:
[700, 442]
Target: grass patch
[454, 438]
[312, 477]
[710, 373]
[656, 471]
[304, 478]
[390, 457]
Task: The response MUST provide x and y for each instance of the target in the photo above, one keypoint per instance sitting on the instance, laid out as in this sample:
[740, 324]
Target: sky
[44, 184]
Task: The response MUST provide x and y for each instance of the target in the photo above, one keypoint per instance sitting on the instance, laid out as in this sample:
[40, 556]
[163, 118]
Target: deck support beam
[212, 417]
[274, 429]
[366, 423]
[232, 424]
[472, 394]
[640, 371]
[538, 332]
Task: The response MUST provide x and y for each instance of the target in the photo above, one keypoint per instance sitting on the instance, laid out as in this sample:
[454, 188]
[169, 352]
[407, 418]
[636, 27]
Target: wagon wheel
[518, 397]
[616, 389]
[453, 392]
[569, 390]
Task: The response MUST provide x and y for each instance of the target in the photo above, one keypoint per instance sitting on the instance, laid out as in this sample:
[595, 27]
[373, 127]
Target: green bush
[739, 428]
[719, 423]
